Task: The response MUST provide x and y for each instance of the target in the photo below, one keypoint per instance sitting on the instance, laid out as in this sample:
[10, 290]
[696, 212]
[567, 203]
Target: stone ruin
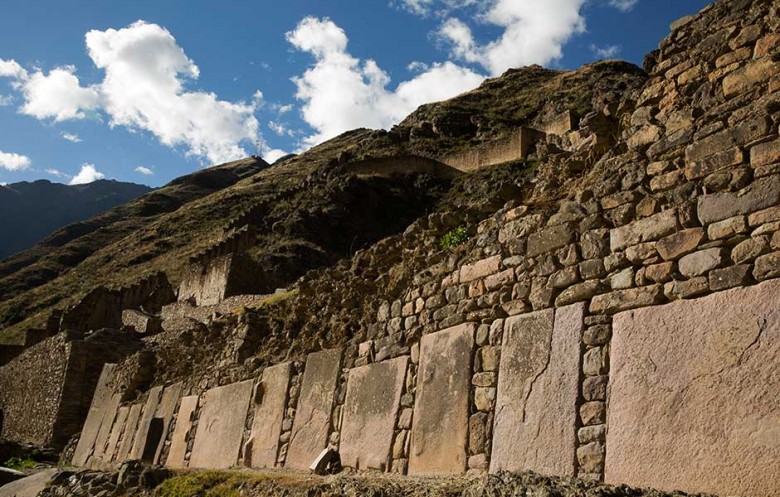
[628, 334]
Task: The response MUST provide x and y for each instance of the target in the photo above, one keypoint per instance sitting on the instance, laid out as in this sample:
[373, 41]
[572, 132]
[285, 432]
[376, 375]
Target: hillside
[306, 207]
[31, 211]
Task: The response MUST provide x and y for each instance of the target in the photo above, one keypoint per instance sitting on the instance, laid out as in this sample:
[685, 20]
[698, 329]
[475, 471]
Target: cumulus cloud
[144, 88]
[14, 162]
[144, 170]
[273, 155]
[532, 33]
[71, 137]
[341, 92]
[440, 7]
[606, 52]
[87, 174]
[57, 95]
[6, 100]
[623, 5]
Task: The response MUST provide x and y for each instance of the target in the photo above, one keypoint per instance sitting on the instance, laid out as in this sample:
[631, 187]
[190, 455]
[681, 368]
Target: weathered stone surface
[30, 486]
[97, 412]
[536, 408]
[749, 249]
[739, 135]
[312, 418]
[622, 300]
[221, 426]
[747, 77]
[370, 408]
[131, 426]
[183, 426]
[550, 239]
[112, 409]
[727, 228]
[644, 230]
[480, 269]
[694, 386]
[729, 277]
[767, 266]
[141, 434]
[270, 403]
[765, 153]
[578, 293]
[165, 410]
[441, 411]
[708, 165]
[700, 262]
[763, 193]
[116, 431]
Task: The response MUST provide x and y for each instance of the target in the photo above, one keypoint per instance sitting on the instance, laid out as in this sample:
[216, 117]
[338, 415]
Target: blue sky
[148, 90]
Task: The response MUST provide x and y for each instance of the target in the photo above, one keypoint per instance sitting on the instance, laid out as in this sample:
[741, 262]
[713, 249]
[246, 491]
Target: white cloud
[606, 52]
[57, 96]
[533, 33]
[14, 162]
[6, 100]
[273, 155]
[417, 66]
[144, 170]
[279, 128]
[623, 5]
[442, 7]
[12, 69]
[71, 137]
[56, 173]
[341, 92]
[144, 89]
[87, 174]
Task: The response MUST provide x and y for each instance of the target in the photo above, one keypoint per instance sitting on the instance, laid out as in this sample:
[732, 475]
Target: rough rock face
[688, 379]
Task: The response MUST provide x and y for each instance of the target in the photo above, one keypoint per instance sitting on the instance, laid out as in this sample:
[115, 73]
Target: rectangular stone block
[694, 387]
[178, 450]
[131, 425]
[165, 410]
[270, 404]
[97, 410]
[550, 239]
[112, 408]
[116, 431]
[763, 193]
[315, 405]
[480, 269]
[221, 426]
[644, 230]
[142, 432]
[370, 409]
[441, 411]
[538, 383]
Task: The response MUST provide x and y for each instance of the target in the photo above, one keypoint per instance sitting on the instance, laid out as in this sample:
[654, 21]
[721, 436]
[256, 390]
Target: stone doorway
[153, 440]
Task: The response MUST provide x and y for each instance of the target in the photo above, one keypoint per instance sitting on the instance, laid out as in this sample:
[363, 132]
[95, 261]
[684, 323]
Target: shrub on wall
[453, 238]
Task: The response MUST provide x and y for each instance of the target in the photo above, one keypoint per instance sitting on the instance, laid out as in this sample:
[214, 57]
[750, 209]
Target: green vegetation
[19, 464]
[453, 238]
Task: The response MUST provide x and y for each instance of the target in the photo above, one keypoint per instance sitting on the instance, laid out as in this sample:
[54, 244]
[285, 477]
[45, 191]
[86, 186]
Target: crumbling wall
[207, 284]
[404, 164]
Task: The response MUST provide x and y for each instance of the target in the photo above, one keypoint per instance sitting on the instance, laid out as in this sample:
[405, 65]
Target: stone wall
[210, 283]
[45, 392]
[578, 337]
[517, 146]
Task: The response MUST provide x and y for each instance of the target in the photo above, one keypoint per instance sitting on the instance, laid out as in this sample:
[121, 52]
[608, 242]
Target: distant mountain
[31, 211]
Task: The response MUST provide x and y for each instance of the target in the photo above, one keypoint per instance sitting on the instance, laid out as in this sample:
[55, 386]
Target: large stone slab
[97, 411]
[441, 411]
[270, 404]
[370, 409]
[165, 410]
[694, 389]
[116, 431]
[536, 404]
[30, 486]
[112, 409]
[315, 404]
[178, 450]
[128, 437]
[141, 434]
[221, 426]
